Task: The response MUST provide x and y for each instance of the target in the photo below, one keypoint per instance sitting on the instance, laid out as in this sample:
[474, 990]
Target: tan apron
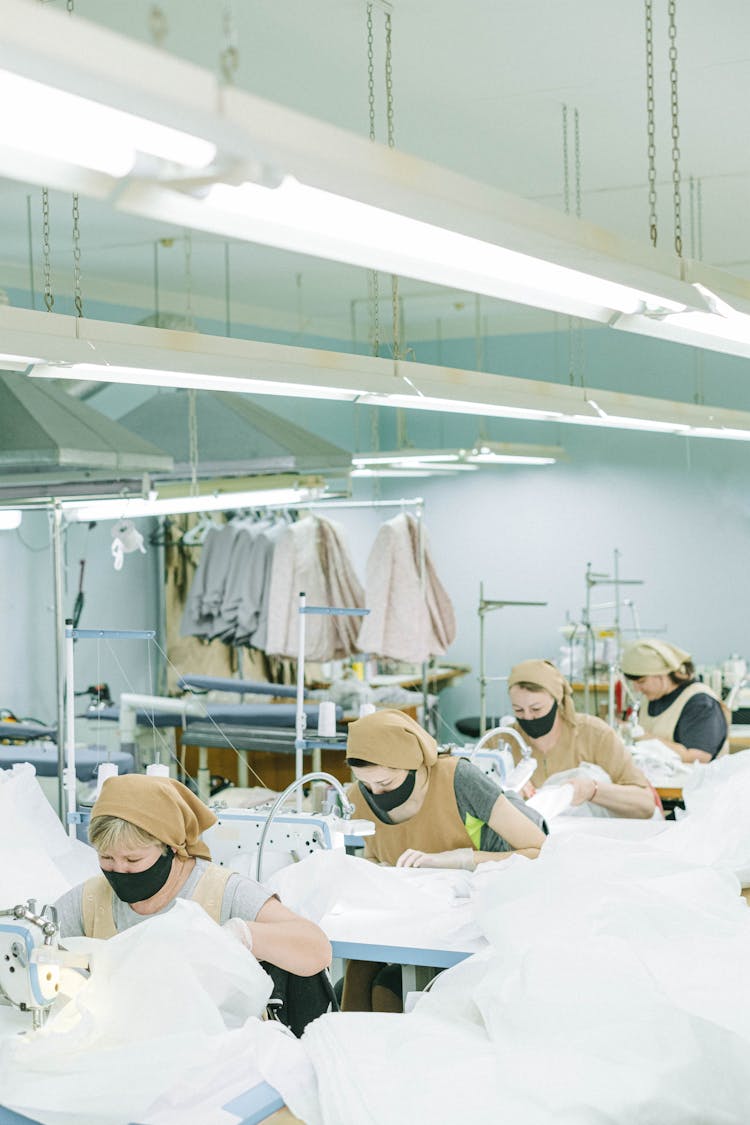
[663, 726]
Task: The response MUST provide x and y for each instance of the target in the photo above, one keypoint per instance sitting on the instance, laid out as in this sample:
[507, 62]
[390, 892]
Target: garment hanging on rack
[312, 557]
[207, 589]
[408, 620]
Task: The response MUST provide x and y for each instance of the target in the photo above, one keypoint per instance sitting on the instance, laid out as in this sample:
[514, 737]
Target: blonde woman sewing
[561, 739]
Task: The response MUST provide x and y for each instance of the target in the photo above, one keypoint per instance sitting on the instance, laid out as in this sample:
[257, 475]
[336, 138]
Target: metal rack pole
[487, 605]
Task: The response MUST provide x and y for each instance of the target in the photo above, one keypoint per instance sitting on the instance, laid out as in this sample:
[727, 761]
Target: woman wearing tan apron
[680, 711]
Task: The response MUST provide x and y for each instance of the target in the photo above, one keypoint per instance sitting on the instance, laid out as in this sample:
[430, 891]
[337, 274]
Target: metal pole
[482, 686]
[58, 577]
[70, 727]
[300, 717]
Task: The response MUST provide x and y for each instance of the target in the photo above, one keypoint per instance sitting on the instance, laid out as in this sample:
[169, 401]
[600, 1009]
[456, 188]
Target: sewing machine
[30, 960]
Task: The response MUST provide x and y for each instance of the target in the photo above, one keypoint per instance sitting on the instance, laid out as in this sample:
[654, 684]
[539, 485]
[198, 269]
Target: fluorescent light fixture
[461, 460]
[160, 357]
[150, 377]
[135, 508]
[10, 519]
[334, 226]
[17, 362]
[721, 328]
[504, 459]
[51, 123]
[404, 472]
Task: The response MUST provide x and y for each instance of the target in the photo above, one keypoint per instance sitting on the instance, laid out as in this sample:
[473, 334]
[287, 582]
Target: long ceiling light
[166, 358]
[51, 123]
[484, 452]
[138, 507]
[339, 197]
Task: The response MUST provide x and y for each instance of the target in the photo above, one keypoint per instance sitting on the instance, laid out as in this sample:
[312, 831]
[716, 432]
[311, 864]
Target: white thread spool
[366, 709]
[105, 770]
[326, 719]
[157, 770]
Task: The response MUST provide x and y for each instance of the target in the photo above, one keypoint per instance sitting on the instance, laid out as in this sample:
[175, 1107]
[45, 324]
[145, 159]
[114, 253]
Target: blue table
[255, 1105]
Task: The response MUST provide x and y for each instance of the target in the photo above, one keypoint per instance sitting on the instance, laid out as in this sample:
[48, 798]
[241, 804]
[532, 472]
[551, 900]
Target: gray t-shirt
[476, 794]
[243, 898]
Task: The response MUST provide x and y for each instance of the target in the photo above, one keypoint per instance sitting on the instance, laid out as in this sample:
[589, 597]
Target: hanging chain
[188, 247]
[577, 158]
[395, 303]
[77, 299]
[229, 59]
[566, 161]
[651, 127]
[193, 441]
[676, 193]
[373, 279]
[157, 24]
[49, 299]
[700, 221]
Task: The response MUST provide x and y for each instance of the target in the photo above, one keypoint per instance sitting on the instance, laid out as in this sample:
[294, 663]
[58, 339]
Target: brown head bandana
[160, 805]
[544, 674]
[391, 738]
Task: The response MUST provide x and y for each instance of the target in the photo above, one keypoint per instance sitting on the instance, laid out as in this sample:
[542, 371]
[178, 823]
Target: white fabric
[354, 900]
[557, 792]
[37, 857]
[615, 991]
[158, 997]
[660, 763]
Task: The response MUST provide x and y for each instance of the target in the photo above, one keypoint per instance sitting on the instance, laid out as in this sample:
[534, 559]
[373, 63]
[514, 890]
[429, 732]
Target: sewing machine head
[29, 959]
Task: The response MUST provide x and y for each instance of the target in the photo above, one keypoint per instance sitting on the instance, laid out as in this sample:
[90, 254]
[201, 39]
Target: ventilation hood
[235, 437]
[54, 445]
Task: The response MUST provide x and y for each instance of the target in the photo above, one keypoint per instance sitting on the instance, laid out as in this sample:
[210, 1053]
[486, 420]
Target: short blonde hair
[109, 832]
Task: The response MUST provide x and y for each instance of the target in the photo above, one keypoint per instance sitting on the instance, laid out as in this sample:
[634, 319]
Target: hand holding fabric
[584, 788]
[239, 930]
[458, 859]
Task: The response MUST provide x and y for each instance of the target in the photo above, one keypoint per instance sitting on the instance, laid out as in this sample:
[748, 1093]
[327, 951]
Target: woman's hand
[458, 859]
[584, 789]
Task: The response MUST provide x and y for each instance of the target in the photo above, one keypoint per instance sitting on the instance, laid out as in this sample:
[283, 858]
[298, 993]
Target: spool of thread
[366, 709]
[157, 770]
[326, 719]
[105, 770]
[716, 681]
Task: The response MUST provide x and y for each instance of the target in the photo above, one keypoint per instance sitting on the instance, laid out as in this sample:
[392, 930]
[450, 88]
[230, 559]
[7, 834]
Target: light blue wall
[677, 510]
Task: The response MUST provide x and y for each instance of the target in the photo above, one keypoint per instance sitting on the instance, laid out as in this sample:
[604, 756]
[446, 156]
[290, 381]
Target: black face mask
[384, 802]
[137, 886]
[537, 728]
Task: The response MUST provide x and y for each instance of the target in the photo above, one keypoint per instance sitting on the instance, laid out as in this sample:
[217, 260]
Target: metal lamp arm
[347, 807]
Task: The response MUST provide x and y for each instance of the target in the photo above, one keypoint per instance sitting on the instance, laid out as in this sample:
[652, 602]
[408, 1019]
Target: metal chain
[577, 158]
[229, 59]
[395, 303]
[700, 221]
[77, 299]
[651, 127]
[188, 247]
[193, 441]
[373, 280]
[157, 24]
[676, 183]
[566, 161]
[49, 299]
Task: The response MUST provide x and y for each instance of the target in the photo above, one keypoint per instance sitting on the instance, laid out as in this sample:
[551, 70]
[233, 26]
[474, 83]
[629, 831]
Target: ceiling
[478, 87]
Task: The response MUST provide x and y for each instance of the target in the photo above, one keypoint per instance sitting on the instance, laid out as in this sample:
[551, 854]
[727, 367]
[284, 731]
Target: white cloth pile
[168, 1015]
[659, 762]
[616, 987]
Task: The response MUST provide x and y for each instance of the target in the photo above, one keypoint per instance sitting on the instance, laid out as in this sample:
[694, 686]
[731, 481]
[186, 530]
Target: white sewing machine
[30, 960]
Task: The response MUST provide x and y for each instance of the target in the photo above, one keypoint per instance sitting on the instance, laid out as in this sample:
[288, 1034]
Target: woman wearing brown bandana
[430, 810]
[148, 834]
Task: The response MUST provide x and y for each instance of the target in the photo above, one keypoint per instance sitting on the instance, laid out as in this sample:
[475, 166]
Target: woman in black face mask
[561, 739]
[429, 810]
[147, 832]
